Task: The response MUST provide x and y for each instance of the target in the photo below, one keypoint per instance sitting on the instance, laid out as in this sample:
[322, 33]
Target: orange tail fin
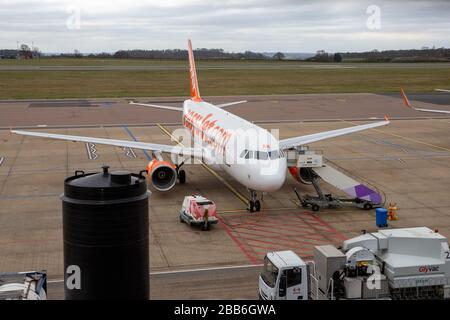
[195, 92]
[405, 98]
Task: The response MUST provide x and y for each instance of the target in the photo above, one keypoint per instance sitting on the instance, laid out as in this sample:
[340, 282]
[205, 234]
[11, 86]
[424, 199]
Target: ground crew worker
[205, 219]
[392, 212]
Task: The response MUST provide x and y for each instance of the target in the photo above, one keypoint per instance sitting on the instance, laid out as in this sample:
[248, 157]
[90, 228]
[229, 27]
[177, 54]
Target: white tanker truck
[409, 263]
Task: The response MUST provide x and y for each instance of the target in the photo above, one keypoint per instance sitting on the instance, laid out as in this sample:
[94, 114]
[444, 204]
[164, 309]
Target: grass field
[126, 83]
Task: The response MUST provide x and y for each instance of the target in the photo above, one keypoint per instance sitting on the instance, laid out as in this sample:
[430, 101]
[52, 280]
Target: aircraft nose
[273, 177]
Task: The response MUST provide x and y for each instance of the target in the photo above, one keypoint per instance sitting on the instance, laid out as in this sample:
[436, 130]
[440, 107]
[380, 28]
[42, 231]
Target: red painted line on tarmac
[304, 235]
[321, 225]
[248, 236]
[277, 226]
[286, 237]
[272, 243]
[339, 234]
[270, 225]
[298, 216]
[241, 246]
[282, 248]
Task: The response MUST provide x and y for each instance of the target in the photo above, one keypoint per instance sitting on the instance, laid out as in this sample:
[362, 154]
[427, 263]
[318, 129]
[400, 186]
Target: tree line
[412, 55]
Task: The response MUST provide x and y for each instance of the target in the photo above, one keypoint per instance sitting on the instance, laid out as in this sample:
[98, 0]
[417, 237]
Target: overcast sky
[234, 25]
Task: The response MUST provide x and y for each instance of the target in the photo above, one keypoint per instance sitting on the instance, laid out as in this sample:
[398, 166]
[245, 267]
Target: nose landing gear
[254, 204]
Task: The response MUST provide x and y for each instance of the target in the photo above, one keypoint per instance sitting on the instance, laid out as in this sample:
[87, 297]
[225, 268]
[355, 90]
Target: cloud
[258, 25]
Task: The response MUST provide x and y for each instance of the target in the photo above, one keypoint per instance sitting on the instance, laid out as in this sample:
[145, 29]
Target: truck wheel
[181, 219]
[182, 176]
[315, 207]
[367, 206]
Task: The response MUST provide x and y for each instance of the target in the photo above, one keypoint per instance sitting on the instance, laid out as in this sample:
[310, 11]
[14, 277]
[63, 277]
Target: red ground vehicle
[198, 211]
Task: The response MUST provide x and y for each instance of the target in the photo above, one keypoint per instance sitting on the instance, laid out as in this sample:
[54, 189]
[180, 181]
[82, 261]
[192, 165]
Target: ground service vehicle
[198, 211]
[409, 263]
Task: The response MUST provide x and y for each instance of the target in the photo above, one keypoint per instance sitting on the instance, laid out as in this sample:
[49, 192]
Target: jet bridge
[307, 166]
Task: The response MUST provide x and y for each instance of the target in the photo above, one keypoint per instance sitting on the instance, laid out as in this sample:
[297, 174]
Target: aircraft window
[274, 154]
[262, 155]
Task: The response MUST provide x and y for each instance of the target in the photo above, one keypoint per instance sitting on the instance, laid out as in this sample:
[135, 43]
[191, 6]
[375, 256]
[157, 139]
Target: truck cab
[284, 277]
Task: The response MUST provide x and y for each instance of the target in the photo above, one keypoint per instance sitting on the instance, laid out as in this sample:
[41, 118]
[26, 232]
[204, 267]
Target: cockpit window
[262, 155]
[274, 154]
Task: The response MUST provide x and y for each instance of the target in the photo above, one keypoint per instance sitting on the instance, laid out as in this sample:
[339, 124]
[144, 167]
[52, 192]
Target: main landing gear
[254, 204]
[181, 174]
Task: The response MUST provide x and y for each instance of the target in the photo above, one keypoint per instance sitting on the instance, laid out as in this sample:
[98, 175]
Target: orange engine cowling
[162, 174]
[303, 175]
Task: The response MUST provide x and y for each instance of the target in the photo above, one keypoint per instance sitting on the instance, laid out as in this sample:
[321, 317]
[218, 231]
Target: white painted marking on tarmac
[129, 152]
[206, 269]
[442, 90]
[2, 159]
[91, 151]
[42, 126]
[189, 270]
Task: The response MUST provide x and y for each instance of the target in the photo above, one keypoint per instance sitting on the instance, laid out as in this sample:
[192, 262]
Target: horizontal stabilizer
[224, 105]
[409, 105]
[157, 106]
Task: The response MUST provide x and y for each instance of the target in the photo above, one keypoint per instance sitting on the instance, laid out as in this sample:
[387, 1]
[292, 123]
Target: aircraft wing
[164, 148]
[409, 105]
[310, 138]
[157, 106]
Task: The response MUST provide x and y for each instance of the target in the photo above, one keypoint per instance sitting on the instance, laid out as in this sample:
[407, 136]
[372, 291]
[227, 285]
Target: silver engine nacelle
[162, 174]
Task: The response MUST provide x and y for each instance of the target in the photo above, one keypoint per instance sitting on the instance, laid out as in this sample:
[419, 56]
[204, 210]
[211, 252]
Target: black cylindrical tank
[105, 231]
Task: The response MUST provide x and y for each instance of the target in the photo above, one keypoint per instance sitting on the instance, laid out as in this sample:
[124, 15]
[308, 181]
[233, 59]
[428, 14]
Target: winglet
[195, 92]
[386, 117]
[405, 98]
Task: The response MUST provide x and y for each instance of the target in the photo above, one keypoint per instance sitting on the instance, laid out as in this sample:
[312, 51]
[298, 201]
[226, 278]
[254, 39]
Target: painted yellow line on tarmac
[406, 138]
[207, 168]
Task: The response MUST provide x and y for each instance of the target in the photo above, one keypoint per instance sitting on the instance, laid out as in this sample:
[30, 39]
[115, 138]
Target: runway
[264, 109]
[150, 65]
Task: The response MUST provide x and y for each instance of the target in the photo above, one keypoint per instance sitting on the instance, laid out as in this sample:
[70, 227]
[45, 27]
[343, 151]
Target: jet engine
[303, 175]
[163, 174]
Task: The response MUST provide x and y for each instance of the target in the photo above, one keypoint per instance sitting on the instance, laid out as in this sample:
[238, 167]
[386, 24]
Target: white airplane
[408, 104]
[260, 165]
